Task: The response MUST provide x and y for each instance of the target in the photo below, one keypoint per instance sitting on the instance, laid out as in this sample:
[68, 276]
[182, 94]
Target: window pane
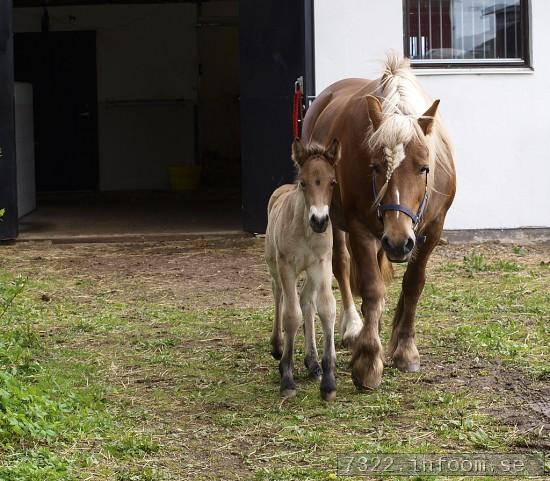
[464, 30]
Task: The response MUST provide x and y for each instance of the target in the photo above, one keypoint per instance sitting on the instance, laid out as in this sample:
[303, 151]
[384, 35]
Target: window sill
[473, 71]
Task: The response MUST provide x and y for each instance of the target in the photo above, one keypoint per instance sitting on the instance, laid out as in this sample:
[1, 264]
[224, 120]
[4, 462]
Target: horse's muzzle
[398, 251]
[319, 224]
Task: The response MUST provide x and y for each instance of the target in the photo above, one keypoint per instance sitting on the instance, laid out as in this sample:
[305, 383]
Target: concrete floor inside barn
[130, 216]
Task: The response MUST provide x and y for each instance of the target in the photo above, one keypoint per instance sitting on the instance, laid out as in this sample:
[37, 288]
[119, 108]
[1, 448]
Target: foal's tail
[385, 266]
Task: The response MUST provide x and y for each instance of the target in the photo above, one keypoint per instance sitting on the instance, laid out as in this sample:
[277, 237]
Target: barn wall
[499, 122]
[144, 52]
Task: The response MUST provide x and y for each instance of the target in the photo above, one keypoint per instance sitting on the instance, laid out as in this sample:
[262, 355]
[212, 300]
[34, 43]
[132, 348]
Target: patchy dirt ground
[215, 359]
[210, 272]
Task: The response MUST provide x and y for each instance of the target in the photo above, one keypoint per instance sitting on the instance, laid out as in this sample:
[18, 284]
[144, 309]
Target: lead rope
[298, 108]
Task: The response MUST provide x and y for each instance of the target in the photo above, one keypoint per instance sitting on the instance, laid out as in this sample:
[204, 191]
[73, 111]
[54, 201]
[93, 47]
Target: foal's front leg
[403, 348]
[308, 311]
[292, 318]
[326, 306]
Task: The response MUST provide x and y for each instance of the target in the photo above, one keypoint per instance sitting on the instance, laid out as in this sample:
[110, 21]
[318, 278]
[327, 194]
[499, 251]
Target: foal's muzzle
[319, 224]
[398, 250]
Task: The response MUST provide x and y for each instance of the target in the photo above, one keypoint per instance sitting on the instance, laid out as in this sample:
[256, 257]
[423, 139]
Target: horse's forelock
[403, 101]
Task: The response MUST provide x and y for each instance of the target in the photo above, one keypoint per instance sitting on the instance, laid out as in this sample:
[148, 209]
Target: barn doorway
[136, 116]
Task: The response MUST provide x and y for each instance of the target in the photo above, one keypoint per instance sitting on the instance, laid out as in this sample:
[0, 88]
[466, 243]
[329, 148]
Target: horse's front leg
[350, 320]
[403, 348]
[291, 319]
[367, 359]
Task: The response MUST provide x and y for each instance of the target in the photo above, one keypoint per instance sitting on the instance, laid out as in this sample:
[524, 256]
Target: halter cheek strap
[416, 218]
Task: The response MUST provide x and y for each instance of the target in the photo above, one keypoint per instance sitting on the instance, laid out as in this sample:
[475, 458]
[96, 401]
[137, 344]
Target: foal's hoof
[288, 392]
[288, 386]
[328, 396]
[328, 385]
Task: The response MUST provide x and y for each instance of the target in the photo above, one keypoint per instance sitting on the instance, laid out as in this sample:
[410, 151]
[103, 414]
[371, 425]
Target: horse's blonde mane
[403, 102]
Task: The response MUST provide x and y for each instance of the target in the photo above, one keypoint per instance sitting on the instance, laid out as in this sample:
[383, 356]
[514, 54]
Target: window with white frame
[453, 33]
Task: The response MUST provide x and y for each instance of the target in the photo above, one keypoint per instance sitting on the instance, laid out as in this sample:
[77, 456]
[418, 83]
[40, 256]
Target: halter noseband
[416, 218]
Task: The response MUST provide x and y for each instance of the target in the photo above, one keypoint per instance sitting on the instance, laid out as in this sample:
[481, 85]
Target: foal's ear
[375, 111]
[333, 152]
[298, 151]
[426, 122]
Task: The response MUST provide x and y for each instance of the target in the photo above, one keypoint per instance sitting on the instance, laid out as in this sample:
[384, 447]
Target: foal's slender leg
[350, 321]
[292, 318]
[326, 305]
[308, 311]
[367, 360]
[277, 334]
[402, 344]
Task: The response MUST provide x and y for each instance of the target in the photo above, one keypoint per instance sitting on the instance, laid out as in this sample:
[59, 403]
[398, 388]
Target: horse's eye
[375, 168]
[302, 184]
[424, 169]
[333, 182]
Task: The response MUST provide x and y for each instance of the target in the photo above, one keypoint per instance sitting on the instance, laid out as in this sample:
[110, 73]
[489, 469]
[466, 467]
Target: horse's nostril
[319, 224]
[409, 246]
[386, 243]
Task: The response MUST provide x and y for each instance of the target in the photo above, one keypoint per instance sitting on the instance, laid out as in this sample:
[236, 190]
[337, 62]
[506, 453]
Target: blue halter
[416, 218]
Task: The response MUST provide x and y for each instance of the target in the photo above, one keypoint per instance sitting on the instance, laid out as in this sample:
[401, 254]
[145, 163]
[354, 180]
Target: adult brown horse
[396, 181]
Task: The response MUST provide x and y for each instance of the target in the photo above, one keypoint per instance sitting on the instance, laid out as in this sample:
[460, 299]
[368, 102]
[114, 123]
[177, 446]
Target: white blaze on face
[397, 200]
[319, 213]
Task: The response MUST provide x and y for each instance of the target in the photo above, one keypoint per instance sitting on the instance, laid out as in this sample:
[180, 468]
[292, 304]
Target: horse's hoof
[406, 357]
[405, 366]
[289, 392]
[328, 396]
[367, 378]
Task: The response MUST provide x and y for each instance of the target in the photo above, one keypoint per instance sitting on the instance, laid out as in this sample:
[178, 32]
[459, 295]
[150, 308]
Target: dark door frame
[277, 47]
[8, 167]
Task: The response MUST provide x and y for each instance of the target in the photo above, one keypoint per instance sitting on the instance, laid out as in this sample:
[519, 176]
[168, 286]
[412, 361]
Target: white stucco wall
[499, 122]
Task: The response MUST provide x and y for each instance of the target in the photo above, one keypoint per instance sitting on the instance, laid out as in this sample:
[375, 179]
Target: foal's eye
[302, 184]
[333, 182]
[424, 169]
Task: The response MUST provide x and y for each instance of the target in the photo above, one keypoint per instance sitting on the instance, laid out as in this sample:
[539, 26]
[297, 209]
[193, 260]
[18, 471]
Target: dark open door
[276, 46]
[8, 181]
[62, 69]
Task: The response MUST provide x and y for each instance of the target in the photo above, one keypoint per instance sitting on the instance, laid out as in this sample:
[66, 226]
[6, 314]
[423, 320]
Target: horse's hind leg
[308, 311]
[291, 319]
[350, 321]
[326, 306]
[403, 348]
[277, 333]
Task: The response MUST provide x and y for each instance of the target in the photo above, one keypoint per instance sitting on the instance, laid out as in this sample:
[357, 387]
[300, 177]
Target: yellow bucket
[184, 177]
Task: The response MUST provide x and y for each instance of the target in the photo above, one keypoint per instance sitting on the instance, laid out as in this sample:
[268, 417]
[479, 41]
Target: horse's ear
[333, 152]
[426, 122]
[298, 152]
[375, 111]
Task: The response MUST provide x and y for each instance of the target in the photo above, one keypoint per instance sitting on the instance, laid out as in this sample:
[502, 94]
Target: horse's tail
[384, 264]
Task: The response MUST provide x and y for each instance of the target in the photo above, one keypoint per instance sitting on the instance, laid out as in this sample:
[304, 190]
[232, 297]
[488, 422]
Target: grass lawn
[142, 362]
